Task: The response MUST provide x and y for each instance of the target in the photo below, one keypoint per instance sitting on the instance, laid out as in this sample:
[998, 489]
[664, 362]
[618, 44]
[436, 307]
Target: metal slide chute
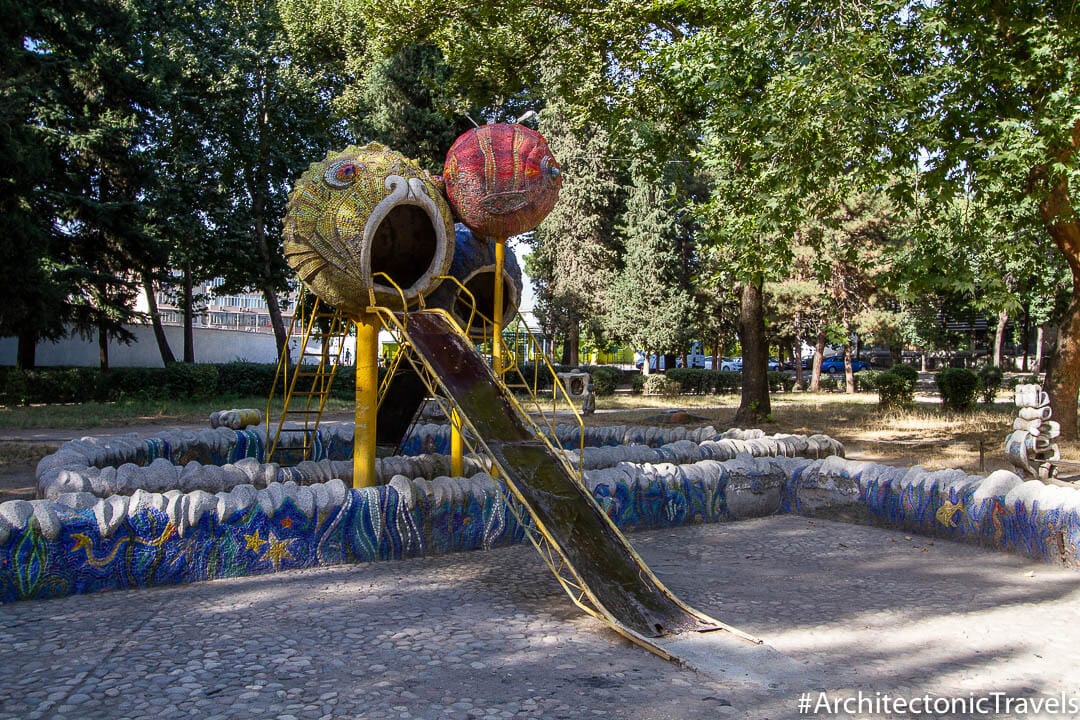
[584, 549]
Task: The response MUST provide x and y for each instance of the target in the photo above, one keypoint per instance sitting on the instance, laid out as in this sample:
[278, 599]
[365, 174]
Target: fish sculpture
[501, 179]
[365, 211]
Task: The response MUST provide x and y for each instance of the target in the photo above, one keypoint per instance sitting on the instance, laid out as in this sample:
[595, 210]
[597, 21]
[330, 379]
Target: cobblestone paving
[492, 635]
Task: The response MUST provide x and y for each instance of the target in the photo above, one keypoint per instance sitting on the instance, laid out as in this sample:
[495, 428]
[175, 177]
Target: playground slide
[621, 588]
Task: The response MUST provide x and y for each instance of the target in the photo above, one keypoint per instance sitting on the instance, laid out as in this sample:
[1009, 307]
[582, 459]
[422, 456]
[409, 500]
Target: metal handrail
[321, 374]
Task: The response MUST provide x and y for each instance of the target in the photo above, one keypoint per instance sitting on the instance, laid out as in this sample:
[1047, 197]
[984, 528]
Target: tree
[31, 298]
[999, 117]
[404, 101]
[574, 250]
[649, 304]
[798, 310]
[271, 117]
[90, 108]
[853, 244]
[791, 104]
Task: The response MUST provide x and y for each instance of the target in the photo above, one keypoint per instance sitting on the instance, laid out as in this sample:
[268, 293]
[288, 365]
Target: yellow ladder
[306, 384]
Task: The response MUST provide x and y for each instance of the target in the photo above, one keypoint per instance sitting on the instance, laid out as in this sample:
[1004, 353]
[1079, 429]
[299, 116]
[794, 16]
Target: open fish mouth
[504, 202]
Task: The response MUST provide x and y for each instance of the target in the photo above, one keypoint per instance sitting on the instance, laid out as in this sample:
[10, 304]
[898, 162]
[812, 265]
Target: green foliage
[404, 101]
[575, 250]
[692, 381]
[184, 381]
[246, 378]
[906, 372]
[896, 387]
[654, 280]
[866, 380]
[780, 381]
[726, 382]
[344, 386]
[62, 385]
[637, 384]
[828, 383]
[958, 388]
[605, 380]
[657, 384]
[188, 380]
[990, 379]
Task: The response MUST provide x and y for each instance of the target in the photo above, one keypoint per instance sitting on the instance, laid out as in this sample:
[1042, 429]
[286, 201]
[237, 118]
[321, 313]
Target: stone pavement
[492, 635]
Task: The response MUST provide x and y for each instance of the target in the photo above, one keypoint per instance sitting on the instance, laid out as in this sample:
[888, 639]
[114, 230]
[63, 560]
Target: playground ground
[850, 609]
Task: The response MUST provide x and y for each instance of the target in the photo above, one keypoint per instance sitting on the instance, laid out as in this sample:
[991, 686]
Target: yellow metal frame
[396, 322]
[322, 379]
[515, 378]
[540, 537]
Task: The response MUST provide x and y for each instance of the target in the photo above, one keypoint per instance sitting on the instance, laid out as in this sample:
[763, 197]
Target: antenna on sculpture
[467, 115]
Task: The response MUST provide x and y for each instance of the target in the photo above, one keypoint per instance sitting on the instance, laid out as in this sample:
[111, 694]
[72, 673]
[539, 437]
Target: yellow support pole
[457, 446]
[367, 399]
[497, 362]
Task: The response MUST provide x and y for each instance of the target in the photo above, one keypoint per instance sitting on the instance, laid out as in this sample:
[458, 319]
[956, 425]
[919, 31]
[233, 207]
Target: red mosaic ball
[501, 179]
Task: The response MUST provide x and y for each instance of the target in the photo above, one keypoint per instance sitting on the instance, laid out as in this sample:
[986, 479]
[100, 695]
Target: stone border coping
[80, 543]
[220, 459]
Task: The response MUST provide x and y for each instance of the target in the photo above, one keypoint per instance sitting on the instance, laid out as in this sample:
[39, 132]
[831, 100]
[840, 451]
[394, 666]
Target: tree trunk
[103, 349]
[573, 340]
[26, 354]
[187, 304]
[1051, 339]
[1063, 383]
[796, 357]
[281, 337]
[166, 352]
[754, 405]
[999, 337]
[849, 376]
[1027, 333]
[1040, 338]
[819, 356]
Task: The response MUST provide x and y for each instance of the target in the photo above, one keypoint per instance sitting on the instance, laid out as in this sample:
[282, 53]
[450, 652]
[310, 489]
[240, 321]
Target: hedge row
[178, 381]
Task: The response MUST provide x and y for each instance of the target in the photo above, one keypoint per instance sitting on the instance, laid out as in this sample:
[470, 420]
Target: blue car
[835, 365]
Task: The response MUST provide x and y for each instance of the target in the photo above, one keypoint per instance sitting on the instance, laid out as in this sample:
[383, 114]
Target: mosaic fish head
[367, 218]
[501, 179]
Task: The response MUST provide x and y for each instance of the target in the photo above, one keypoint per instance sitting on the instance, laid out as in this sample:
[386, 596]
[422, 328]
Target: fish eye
[549, 169]
[341, 173]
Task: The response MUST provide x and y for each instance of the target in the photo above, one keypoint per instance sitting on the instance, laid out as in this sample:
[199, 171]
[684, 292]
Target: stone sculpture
[1029, 446]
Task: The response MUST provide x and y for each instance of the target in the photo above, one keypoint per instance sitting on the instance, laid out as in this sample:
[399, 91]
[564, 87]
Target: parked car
[835, 365]
[774, 364]
[731, 364]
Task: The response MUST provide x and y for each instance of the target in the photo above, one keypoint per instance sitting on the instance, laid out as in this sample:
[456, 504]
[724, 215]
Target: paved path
[491, 634]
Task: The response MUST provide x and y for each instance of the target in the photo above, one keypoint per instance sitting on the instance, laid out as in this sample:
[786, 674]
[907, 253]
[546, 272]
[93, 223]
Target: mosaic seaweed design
[58, 549]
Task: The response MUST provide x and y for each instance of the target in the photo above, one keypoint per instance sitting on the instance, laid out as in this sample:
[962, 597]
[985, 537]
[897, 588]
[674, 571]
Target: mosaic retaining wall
[221, 459]
[79, 543]
[1001, 510]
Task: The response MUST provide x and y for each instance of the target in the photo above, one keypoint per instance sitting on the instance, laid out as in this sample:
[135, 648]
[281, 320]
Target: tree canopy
[903, 157]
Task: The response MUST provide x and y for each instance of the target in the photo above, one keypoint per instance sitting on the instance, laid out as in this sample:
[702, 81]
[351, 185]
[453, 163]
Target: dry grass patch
[924, 435]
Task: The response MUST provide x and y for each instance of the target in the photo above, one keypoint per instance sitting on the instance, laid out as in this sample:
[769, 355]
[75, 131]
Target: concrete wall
[211, 346]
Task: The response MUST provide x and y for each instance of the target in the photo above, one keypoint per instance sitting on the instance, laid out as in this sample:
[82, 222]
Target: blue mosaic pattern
[56, 549]
[371, 524]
